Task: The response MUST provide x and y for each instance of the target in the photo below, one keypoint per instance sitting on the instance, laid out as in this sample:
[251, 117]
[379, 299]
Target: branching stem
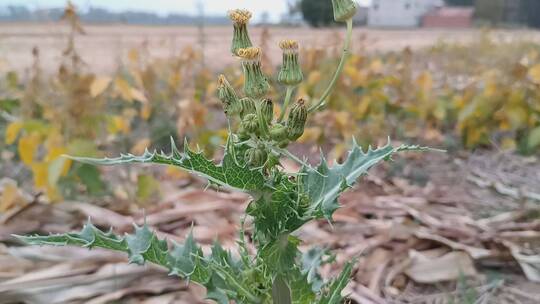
[322, 101]
[288, 96]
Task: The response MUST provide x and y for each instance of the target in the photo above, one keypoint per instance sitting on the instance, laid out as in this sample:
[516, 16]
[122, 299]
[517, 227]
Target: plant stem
[344, 56]
[288, 96]
[241, 289]
[289, 155]
[263, 125]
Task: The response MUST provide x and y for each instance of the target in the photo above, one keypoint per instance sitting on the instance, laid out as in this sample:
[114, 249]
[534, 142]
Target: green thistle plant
[281, 202]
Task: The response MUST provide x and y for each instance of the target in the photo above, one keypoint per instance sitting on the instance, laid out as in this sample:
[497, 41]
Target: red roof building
[449, 17]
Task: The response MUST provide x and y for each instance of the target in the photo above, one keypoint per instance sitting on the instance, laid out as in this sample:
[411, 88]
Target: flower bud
[290, 72]
[343, 9]
[255, 84]
[240, 39]
[228, 97]
[256, 157]
[243, 134]
[250, 124]
[267, 110]
[284, 143]
[247, 106]
[278, 132]
[296, 120]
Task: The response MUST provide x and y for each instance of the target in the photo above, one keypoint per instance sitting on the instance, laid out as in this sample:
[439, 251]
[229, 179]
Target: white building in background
[400, 13]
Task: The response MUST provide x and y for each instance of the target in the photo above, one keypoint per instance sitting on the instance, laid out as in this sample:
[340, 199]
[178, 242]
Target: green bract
[267, 110]
[255, 84]
[281, 202]
[343, 10]
[290, 72]
[247, 106]
[297, 120]
[228, 97]
[240, 40]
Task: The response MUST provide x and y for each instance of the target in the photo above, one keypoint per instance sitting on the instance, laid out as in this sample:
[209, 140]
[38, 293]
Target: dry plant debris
[416, 244]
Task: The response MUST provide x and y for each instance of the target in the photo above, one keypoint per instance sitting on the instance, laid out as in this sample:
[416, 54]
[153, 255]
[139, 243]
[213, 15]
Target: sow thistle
[281, 202]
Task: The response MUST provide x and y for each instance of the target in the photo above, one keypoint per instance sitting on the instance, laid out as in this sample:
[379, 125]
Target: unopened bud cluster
[258, 132]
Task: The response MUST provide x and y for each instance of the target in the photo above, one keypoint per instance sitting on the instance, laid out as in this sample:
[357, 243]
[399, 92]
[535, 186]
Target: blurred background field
[106, 47]
[81, 88]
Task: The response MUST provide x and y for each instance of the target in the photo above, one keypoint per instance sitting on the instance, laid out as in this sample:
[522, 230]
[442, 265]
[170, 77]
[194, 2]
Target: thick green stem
[288, 96]
[232, 280]
[288, 154]
[263, 125]
[322, 101]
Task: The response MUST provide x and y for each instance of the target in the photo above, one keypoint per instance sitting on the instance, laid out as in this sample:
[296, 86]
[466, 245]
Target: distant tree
[317, 12]
[491, 11]
[532, 12]
[293, 7]
[460, 2]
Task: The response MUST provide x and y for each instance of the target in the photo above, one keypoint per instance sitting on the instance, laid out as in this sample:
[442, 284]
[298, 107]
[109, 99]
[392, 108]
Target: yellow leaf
[534, 73]
[55, 155]
[12, 131]
[117, 124]
[41, 174]
[53, 194]
[10, 196]
[123, 88]
[376, 66]
[363, 106]
[133, 55]
[27, 147]
[425, 81]
[99, 85]
[138, 95]
[508, 144]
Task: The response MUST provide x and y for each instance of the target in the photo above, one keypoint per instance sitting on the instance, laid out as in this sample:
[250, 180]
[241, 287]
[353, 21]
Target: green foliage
[317, 12]
[229, 174]
[282, 202]
[460, 2]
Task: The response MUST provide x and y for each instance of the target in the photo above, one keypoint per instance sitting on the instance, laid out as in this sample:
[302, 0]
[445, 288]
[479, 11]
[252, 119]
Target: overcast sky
[212, 7]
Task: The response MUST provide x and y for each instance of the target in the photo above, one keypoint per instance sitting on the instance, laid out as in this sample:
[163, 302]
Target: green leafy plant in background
[281, 202]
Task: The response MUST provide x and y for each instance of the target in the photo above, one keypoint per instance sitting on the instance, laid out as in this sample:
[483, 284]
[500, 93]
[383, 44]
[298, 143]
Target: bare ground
[431, 206]
[104, 47]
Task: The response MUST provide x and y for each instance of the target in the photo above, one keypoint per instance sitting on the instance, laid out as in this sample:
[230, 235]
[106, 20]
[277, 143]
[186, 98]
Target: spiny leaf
[332, 294]
[88, 237]
[279, 211]
[228, 174]
[302, 291]
[144, 246]
[280, 255]
[311, 262]
[324, 184]
[184, 260]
